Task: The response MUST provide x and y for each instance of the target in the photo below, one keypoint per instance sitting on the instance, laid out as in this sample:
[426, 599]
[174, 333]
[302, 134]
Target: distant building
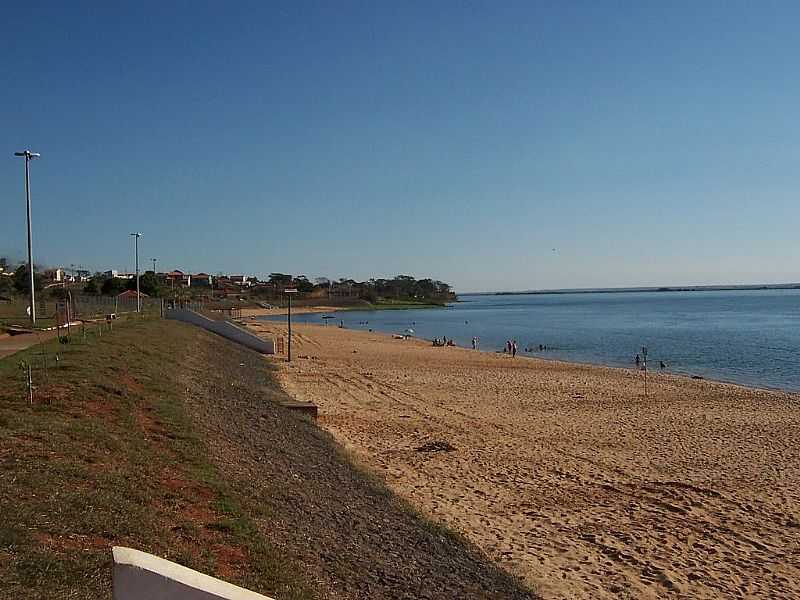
[54, 275]
[178, 278]
[130, 295]
[201, 279]
[242, 280]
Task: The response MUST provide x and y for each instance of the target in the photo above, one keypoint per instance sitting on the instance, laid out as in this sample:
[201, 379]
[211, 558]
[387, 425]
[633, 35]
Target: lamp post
[29, 156]
[154, 265]
[290, 292]
[136, 237]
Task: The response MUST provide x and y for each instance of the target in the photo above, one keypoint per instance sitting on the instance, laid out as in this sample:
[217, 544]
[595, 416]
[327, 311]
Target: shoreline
[531, 356]
[279, 311]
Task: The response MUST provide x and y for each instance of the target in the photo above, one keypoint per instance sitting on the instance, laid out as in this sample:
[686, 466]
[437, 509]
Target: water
[747, 337]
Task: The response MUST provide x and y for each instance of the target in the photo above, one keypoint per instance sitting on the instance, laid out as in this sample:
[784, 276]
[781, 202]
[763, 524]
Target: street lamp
[136, 237]
[29, 156]
[290, 292]
[154, 265]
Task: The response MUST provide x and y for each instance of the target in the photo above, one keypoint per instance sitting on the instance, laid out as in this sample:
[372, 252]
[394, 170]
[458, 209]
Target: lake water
[748, 337]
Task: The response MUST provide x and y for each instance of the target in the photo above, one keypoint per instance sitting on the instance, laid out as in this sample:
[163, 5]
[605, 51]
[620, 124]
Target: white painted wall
[142, 576]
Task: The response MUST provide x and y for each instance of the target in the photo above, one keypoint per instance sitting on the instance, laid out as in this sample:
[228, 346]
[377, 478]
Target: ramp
[225, 329]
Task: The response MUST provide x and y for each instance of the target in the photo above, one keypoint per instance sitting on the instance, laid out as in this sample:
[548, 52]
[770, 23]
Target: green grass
[107, 456]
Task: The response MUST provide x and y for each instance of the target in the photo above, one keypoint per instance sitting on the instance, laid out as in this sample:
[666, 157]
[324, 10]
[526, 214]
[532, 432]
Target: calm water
[748, 337]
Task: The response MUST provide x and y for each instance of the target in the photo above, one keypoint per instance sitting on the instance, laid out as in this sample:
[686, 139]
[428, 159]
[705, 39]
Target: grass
[107, 456]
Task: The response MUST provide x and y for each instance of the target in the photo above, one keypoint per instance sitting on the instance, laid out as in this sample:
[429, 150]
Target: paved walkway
[11, 344]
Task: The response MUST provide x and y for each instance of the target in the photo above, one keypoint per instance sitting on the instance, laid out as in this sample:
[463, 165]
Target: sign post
[289, 292]
[644, 364]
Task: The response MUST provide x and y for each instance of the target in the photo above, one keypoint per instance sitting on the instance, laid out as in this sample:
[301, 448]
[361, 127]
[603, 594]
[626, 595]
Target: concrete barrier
[224, 328]
[142, 576]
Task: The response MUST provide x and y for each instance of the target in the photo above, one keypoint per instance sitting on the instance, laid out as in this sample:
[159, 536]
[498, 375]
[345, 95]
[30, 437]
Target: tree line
[398, 288]
[401, 287]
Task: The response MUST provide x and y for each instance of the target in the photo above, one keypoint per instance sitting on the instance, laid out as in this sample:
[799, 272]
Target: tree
[112, 286]
[148, 284]
[280, 279]
[91, 287]
[22, 281]
[303, 285]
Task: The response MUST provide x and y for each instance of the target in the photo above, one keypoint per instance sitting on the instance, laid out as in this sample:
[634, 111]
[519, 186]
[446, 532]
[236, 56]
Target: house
[77, 276]
[130, 295]
[178, 278]
[242, 280]
[201, 279]
[114, 274]
[54, 275]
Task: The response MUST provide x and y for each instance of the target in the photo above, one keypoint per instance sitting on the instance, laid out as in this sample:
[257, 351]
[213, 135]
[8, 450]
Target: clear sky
[493, 145]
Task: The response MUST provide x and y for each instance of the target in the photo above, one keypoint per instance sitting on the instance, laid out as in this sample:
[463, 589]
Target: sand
[278, 311]
[566, 474]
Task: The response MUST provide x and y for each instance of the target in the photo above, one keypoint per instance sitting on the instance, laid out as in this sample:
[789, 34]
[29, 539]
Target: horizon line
[653, 288]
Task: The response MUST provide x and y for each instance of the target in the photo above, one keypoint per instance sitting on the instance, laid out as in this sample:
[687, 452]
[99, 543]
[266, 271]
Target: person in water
[638, 360]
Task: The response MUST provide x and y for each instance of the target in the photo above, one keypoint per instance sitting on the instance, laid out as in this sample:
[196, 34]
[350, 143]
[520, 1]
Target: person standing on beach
[638, 360]
[474, 343]
[513, 348]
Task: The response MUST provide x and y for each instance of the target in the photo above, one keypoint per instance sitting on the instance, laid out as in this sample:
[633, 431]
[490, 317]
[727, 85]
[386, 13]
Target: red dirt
[230, 560]
[148, 423]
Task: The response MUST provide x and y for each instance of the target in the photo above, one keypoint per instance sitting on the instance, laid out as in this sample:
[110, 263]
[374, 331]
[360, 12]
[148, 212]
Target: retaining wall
[224, 328]
[142, 576]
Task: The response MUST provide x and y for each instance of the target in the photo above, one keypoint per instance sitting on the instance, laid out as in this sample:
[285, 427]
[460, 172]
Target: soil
[338, 523]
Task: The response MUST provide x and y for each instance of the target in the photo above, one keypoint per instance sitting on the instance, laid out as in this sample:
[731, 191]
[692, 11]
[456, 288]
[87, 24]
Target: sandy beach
[566, 474]
[278, 311]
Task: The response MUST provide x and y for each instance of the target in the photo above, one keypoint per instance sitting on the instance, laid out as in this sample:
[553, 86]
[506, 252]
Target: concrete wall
[142, 576]
[224, 328]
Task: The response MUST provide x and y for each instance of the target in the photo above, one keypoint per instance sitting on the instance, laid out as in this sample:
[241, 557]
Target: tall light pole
[154, 265]
[136, 237]
[29, 156]
[290, 292]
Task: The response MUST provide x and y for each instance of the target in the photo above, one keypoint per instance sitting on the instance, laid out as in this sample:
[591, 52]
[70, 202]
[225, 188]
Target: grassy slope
[120, 448]
[106, 456]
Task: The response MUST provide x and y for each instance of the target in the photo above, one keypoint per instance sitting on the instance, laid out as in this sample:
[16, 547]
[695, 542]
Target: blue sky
[493, 145]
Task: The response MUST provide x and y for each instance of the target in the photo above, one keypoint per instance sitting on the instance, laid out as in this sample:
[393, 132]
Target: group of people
[511, 347]
[443, 341]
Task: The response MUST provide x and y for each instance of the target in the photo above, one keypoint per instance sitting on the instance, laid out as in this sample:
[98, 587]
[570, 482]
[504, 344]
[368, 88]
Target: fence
[52, 311]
